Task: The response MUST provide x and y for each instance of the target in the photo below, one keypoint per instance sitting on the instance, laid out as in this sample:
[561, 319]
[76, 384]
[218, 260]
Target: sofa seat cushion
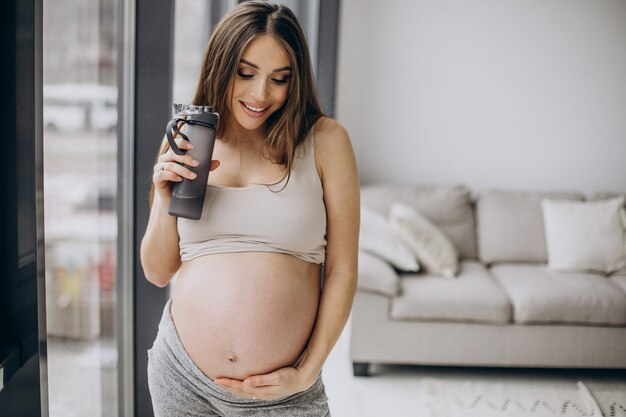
[473, 296]
[540, 295]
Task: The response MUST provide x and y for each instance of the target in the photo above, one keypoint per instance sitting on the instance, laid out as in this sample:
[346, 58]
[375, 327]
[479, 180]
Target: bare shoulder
[327, 129]
[333, 147]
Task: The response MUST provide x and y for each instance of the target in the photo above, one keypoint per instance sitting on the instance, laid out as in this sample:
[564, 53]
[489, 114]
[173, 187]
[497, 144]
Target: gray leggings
[179, 388]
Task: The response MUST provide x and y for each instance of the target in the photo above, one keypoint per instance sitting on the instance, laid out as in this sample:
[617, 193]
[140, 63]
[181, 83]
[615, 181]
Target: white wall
[520, 94]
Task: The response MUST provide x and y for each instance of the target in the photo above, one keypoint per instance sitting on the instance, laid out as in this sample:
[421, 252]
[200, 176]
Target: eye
[244, 76]
[280, 81]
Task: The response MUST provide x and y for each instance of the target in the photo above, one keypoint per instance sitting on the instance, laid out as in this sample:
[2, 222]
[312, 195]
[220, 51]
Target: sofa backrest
[449, 207]
[605, 195]
[510, 225]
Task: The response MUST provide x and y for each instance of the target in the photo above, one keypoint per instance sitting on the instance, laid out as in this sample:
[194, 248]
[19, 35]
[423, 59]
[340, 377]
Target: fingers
[173, 167]
[226, 382]
[259, 393]
[162, 176]
[183, 159]
[169, 168]
[167, 171]
[182, 143]
[234, 386]
[262, 380]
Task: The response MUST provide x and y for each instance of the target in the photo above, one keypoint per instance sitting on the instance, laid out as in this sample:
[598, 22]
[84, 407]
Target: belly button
[231, 357]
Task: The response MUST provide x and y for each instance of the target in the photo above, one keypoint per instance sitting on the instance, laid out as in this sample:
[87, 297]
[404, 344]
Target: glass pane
[191, 34]
[80, 170]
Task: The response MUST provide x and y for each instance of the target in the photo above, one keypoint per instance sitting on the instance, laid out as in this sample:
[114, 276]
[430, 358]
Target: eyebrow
[287, 68]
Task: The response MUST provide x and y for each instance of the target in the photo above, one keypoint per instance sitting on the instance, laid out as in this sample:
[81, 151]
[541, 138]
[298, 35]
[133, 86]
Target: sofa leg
[360, 368]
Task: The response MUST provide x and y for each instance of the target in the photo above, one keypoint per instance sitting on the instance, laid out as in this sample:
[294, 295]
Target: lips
[254, 110]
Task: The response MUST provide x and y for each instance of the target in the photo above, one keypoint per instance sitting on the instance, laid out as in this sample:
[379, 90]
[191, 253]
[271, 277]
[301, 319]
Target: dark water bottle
[197, 125]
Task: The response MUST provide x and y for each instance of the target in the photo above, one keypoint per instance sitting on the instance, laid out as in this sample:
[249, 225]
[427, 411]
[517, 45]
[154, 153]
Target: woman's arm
[160, 256]
[340, 179]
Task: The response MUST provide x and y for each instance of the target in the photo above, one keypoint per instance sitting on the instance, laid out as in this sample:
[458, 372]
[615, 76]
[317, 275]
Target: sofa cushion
[473, 296]
[432, 247]
[377, 237]
[584, 235]
[377, 276]
[449, 207]
[510, 225]
[619, 279]
[607, 195]
[540, 295]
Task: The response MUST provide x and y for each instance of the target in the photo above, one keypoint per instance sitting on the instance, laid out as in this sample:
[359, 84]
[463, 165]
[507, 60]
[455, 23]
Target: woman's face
[261, 84]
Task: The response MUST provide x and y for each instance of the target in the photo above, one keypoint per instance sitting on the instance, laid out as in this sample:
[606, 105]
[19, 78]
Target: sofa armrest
[377, 276]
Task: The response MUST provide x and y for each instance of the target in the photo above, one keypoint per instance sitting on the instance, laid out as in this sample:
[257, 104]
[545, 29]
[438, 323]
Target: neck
[244, 139]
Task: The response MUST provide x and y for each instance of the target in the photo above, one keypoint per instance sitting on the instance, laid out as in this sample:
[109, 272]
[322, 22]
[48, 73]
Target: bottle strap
[172, 126]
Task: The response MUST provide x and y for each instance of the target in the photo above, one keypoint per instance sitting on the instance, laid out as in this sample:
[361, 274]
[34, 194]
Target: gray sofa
[505, 308]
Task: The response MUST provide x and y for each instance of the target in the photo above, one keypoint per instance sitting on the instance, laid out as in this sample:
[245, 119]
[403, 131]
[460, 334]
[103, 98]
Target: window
[80, 175]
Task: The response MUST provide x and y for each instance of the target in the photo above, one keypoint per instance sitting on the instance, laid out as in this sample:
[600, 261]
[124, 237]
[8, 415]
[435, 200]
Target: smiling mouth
[258, 110]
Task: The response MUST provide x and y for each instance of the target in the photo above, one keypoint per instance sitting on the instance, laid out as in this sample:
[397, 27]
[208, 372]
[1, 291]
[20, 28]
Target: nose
[259, 91]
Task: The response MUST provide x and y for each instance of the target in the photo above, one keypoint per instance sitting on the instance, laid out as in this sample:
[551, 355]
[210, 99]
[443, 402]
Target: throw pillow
[377, 237]
[622, 213]
[377, 276]
[434, 250]
[584, 236]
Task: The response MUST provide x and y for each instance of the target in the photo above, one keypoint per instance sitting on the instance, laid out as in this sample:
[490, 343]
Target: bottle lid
[187, 109]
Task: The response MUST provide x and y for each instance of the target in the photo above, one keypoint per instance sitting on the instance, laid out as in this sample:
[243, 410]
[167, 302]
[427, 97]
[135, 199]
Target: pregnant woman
[266, 278]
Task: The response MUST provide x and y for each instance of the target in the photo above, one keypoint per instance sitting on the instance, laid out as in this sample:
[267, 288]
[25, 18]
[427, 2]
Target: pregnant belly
[243, 314]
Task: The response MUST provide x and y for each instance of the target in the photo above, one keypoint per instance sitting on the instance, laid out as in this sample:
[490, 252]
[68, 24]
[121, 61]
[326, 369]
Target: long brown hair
[286, 128]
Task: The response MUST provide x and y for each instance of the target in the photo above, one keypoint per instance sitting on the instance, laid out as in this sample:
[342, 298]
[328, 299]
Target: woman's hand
[278, 384]
[169, 168]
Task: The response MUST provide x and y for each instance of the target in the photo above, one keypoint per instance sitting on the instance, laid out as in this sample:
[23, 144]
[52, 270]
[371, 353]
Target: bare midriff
[247, 313]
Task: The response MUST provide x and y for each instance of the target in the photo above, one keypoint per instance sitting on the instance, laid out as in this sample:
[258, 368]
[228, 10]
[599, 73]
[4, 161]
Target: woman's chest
[243, 169]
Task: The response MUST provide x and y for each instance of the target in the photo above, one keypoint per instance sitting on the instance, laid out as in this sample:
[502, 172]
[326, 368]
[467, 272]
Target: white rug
[446, 398]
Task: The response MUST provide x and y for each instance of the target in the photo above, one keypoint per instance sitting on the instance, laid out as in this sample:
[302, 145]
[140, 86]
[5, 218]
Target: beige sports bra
[255, 219]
